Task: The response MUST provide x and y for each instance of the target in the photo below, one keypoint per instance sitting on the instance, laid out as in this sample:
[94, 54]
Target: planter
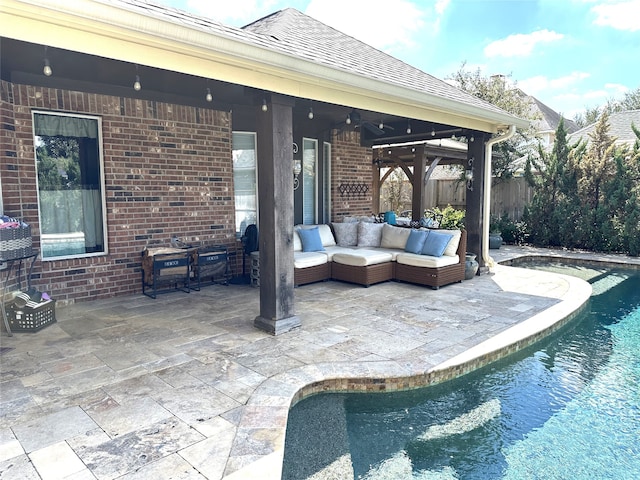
[495, 241]
[470, 266]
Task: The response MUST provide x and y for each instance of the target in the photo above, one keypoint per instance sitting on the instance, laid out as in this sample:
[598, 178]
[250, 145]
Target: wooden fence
[508, 196]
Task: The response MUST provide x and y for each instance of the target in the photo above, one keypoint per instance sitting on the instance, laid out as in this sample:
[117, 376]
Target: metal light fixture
[408, 127]
[468, 174]
[209, 97]
[310, 114]
[433, 132]
[137, 85]
[348, 120]
[297, 168]
[47, 66]
[264, 105]
[381, 125]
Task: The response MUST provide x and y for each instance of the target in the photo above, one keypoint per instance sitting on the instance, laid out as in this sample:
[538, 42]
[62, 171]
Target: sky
[570, 54]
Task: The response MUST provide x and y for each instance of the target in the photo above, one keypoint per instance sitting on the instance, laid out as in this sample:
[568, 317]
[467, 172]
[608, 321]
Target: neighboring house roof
[619, 127]
[549, 119]
[287, 52]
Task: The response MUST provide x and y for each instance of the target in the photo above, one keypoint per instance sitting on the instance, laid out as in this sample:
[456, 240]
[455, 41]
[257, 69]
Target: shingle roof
[619, 126]
[308, 38]
[293, 33]
[550, 119]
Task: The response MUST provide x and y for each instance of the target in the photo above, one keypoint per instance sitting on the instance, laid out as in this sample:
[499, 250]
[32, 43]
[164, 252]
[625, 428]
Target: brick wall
[351, 170]
[168, 171]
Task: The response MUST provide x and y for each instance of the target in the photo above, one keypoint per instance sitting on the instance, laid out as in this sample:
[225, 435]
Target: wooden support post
[475, 197]
[275, 197]
[419, 168]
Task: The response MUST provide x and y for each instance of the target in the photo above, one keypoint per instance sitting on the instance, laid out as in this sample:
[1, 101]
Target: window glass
[70, 185]
[309, 181]
[245, 180]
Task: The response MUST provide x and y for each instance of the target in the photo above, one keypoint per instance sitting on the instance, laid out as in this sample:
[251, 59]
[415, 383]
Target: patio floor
[184, 386]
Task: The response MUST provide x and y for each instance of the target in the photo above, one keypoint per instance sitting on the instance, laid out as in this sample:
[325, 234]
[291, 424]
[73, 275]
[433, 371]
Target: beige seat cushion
[394, 237]
[362, 258]
[394, 252]
[309, 259]
[417, 260]
[330, 251]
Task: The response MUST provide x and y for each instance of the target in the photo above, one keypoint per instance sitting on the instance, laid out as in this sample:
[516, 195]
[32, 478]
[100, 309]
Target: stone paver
[185, 387]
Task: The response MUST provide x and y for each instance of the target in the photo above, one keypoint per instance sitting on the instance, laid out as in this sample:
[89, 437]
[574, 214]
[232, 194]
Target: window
[245, 180]
[70, 185]
[309, 181]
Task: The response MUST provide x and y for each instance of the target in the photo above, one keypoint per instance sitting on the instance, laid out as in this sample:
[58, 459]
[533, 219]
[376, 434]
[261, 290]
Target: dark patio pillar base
[278, 326]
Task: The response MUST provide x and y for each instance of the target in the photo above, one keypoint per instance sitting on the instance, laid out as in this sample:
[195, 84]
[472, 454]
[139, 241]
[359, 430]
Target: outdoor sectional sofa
[367, 253]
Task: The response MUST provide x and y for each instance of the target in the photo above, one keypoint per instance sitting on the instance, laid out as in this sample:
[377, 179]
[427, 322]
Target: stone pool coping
[265, 416]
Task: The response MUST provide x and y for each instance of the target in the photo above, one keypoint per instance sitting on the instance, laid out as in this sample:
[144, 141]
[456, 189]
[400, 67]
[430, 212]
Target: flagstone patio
[186, 387]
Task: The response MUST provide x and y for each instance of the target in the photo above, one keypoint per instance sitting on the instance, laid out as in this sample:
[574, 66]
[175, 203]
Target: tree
[500, 91]
[551, 213]
[630, 101]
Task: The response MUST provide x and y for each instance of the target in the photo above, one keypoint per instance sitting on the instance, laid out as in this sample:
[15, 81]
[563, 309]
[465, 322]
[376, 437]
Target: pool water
[565, 408]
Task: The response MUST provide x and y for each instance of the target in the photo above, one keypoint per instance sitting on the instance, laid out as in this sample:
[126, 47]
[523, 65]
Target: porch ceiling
[177, 54]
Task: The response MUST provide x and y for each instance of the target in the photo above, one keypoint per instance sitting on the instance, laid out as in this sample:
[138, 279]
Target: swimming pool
[567, 407]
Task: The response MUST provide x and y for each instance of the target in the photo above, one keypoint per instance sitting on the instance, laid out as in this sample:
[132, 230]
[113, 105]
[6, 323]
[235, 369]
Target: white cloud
[617, 88]
[520, 45]
[540, 83]
[621, 16]
[380, 23]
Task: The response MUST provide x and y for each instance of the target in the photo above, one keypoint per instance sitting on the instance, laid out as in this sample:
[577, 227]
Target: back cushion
[326, 235]
[394, 237]
[346, 233]
[452, 246]
[369, 234]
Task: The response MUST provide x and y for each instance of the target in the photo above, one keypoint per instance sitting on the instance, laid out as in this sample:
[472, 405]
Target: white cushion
[309, 259]
[297, 243]
[331, 251]
[452, 246]
[394, 237]
[418, 260]
[326, 235]
[362, 258]
[391, 251]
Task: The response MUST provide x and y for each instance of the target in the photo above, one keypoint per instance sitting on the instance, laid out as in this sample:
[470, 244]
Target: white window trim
[103, 192]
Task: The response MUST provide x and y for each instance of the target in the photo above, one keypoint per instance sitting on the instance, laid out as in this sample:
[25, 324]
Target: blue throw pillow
[310, 238]
[416, 240]
[436, 243]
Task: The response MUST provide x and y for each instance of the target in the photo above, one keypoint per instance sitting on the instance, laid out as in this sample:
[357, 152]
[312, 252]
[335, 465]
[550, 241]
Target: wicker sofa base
[366, 276]
[431, 277]
[319, 273]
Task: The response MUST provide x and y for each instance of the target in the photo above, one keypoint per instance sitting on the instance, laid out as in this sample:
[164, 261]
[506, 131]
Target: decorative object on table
[390, 217]
[495, 240]
[470, 266]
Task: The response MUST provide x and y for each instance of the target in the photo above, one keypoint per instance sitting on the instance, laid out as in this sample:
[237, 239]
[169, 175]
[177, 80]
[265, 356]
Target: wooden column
[475, 197]
[419, 169]
[275, 201]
